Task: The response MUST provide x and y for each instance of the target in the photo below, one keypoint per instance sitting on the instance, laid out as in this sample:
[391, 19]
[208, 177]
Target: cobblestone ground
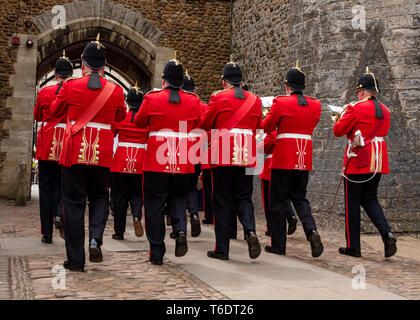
[128, 275]
[122, 275]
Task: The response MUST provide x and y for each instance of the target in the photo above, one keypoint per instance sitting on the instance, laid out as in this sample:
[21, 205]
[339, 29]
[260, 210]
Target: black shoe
[254, 247]
[61, 230]
[217, 255]
[118, 236]
[292, 223]
[350, 252]
[70, 267]
[205, 221]
[46, 238]
[316, 244]
[95, 253]
[270, 249]
[390, 245]
[181, 246]
[168, 221]
[58, 223]
[195, 226]
[172, 235]
[155, 262]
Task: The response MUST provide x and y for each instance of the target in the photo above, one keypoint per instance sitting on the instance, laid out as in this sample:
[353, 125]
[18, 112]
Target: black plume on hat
[63, 67]
[188, 83]
[232, 73]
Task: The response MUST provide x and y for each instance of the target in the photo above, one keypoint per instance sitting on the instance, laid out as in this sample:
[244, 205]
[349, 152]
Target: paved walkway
[27, 268]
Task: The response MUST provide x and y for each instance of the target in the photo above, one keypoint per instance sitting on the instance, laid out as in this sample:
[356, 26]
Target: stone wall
[333, 55]
[198, 30]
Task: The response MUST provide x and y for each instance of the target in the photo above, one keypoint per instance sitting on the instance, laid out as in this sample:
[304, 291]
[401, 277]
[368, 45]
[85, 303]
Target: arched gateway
[132, 54]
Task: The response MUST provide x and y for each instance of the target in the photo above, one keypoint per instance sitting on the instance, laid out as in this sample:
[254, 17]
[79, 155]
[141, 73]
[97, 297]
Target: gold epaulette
[154, 91]
[71, 78]
[218, 91]
[189, 92]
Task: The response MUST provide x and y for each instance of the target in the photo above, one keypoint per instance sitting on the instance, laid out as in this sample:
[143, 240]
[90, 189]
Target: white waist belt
[376, 139]
[269, 156]
[241, 131]
[60, 125]
[132, 145]
[96, 125]
[172, 134]
[294, 136]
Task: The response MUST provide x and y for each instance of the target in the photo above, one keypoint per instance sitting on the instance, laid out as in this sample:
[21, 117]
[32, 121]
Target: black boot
[217, 255]
[316, 244]
[270, 249]
[70, 267]
[292, 223]
[118, 236]
[46, 238]
[181, 246]
[254, 247]
[95, 253]
[390, 245]
[350, 252]
[195, 226]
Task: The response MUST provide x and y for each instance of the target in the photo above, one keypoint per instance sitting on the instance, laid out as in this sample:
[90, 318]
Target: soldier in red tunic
[90, 104]
[294, 117]
[268, 144]
[170, 115]
[365, 123]
[48, 150]
[127, 168]
[236, 114]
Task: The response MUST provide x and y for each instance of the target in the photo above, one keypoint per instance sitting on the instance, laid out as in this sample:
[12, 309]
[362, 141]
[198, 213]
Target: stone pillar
[18, 147]
[163, 55]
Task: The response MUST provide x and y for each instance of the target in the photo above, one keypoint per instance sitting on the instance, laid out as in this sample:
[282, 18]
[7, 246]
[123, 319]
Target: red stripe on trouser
[212, 199]
[271, 234]
[347, 216]
[145, 224]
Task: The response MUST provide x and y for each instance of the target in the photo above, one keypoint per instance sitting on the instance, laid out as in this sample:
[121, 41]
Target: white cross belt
[294, 136]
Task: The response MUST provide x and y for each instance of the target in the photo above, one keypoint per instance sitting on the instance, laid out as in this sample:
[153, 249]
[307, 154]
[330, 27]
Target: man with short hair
[294, 117]
[90, 104]
[365, 123]
[48, 151]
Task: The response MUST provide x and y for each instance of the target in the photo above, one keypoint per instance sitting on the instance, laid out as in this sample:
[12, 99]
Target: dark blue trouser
[232, 190]
[208, 194]
[81, 182]
[366, 195]
[265, 191]
[192, 193]
[161, 189]
[126, 188]
[50, 202]
[285, 185]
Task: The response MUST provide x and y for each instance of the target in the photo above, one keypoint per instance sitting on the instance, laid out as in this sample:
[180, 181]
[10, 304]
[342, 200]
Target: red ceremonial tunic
[92, 145]
[206, 154]
[236, 147]
[295, 125]
[169, 127]
[128, 157]
[361, 116]
[50, 135]
[268, 145]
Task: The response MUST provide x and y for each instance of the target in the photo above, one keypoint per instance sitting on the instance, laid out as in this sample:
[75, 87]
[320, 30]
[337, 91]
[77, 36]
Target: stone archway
[122, 30]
